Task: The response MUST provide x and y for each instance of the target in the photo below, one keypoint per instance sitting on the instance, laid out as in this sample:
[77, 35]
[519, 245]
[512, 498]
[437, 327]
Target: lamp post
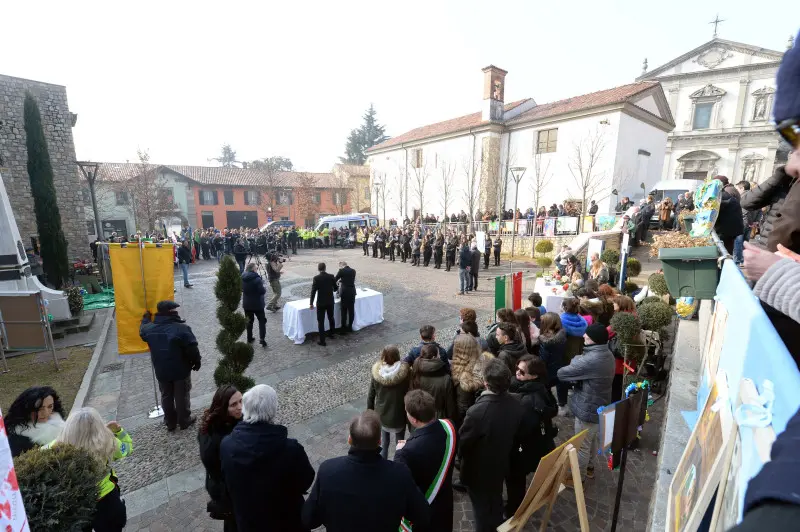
[516, 172]
[89, 171]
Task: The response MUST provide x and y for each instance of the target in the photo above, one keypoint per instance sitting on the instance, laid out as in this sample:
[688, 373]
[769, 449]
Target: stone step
[71, 326]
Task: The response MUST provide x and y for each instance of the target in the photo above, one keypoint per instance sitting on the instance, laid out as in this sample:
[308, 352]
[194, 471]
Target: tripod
[260, 267]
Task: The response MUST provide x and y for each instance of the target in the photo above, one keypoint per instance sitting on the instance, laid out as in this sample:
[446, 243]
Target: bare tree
[448, 174]
[307, 198]
[583, 165]
[341, 190]
[540, 180]
[147, 194]
[383, 193]
[419, 177]
[501, 185]
[400, 187]
[471, 168]
[272, 182]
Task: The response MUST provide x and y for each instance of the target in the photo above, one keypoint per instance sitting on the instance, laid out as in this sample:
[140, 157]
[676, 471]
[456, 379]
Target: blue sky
[292, 78]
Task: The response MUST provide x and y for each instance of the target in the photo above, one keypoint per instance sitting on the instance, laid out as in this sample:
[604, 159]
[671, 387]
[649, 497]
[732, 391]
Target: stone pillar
[743, 85]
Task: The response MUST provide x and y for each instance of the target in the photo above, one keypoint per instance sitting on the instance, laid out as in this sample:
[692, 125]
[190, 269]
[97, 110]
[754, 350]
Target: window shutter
[200, 196]
[216, 197]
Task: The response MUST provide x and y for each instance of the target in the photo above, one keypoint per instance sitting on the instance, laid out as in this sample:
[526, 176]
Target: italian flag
[508, 291]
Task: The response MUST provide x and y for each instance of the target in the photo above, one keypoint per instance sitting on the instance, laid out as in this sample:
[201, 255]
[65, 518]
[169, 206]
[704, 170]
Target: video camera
[273, 256]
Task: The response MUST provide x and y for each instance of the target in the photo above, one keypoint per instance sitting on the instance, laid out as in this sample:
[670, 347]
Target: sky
[180, 79]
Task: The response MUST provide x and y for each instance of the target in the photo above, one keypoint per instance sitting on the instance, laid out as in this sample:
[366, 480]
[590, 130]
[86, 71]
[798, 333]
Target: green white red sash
[438, 480]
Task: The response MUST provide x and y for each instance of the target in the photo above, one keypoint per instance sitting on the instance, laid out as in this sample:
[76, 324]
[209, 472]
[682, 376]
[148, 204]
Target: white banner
[12, 512]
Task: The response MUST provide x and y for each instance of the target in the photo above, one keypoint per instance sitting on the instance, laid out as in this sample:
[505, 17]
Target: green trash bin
[691, 272]
[687, 222]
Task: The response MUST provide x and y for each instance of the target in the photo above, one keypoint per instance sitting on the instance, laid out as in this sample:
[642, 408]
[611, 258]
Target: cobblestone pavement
[319, 389]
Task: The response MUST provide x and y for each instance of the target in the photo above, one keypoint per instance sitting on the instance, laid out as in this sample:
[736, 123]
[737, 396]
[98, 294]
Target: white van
[671, 188]
[346, 221]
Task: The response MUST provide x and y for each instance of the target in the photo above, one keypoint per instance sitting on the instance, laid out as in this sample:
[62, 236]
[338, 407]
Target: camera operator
[240, 253]
[274, 267]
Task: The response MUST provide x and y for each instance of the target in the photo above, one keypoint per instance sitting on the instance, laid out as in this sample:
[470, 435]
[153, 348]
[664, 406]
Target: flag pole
[157, 411]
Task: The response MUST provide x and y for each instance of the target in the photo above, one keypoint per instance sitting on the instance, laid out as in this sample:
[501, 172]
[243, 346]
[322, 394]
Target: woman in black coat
[35, 418]
[530, 385]
[218, 421]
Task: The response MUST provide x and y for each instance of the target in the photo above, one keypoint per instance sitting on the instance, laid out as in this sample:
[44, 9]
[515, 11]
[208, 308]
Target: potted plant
[689, 264]
[655, 315]
[75, 299]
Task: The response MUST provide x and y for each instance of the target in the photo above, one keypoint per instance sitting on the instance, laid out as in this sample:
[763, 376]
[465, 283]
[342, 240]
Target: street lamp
[89, 171]
[516, 172]
[377, 185]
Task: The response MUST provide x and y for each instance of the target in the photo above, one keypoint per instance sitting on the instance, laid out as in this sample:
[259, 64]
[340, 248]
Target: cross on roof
[716, 22]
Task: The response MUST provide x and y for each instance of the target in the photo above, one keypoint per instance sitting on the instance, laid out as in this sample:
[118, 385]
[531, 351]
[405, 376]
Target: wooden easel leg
[578, 483]
[551, 500]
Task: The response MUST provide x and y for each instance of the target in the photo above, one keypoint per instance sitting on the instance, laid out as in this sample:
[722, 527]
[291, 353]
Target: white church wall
[632, 165]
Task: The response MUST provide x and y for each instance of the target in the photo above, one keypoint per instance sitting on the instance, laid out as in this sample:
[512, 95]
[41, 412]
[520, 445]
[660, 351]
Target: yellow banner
[129, 292]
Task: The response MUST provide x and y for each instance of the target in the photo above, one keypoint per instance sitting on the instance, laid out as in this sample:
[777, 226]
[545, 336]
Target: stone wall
[57, 121]
[523, 244]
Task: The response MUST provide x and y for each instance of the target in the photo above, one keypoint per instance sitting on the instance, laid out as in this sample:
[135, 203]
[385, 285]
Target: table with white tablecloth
[552, 294]
[299, 319]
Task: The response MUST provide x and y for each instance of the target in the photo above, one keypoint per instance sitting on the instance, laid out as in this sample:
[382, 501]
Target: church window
[547, 140]
[702, 115]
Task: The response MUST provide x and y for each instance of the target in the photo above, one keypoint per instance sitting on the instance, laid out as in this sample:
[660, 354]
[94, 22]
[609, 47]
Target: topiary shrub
[627, 326]
[657, 284]
[74, 299]
[544, 246]
[59, 487]
[655, 316]
[634, 267]
[236, 356]
[649, 299]
[629, 288]
[544, 262]
[610, 257]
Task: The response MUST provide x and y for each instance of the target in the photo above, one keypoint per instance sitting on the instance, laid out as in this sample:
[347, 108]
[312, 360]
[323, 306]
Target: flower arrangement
[75, 298]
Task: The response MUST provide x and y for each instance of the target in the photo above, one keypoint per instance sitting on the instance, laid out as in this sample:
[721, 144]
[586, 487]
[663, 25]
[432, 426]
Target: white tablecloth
[552, 300]
[299, 319]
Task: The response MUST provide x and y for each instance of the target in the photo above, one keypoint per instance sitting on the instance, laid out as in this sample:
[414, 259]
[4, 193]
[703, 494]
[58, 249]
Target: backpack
[547, 408]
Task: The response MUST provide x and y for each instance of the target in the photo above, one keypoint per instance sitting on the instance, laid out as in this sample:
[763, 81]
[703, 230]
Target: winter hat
[598, 333]
[787, 97]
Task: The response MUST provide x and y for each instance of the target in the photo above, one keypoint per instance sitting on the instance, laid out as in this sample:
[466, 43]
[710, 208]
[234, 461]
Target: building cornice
[717, 73]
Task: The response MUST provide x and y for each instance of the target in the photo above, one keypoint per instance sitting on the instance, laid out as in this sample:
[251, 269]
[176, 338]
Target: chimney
[494, 81]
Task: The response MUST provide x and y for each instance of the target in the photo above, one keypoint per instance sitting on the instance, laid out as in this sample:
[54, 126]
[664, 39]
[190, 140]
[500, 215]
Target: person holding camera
[274, 267]
[253, 303]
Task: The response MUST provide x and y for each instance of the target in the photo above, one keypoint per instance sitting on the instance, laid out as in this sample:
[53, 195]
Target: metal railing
[549, 226]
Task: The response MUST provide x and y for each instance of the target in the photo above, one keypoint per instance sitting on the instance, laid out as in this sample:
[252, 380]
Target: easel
[548, 482]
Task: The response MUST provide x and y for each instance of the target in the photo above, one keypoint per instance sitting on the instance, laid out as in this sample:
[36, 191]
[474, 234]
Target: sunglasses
[790, 131]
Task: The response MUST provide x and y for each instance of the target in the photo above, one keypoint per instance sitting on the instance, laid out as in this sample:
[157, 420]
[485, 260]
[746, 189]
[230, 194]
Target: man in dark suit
[476, 266]
[322, 287]
[429, 455]
[362, 491]
[346, 277]
[492, 428]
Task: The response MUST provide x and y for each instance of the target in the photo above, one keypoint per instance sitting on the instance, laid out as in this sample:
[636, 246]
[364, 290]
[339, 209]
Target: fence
[549, 226]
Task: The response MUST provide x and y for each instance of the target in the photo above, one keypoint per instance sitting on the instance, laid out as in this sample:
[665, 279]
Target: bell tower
[494, 83]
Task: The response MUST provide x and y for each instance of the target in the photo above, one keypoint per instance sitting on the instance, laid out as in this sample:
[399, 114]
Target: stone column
[743, 85]
[490, 172]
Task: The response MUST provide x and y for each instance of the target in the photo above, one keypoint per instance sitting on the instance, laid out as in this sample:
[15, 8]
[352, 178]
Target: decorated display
[707, 201]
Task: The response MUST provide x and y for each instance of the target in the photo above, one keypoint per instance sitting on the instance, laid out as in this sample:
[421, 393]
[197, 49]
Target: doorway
[207, 219]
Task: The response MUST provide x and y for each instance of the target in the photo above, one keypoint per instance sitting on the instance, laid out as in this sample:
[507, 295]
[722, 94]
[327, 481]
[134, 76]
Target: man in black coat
[452, 245]
[429, 455]
[346, 277]
[729, 223]
[253, 303]
[323, 287]
[174, 353]
[362, 491]
[475, 267]
[266, 472]
[491, 431]
[293, 240]
[487, 251]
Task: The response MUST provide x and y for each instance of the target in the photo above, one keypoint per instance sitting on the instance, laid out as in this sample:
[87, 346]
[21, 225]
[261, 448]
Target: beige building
[721, 95]
[356, 178]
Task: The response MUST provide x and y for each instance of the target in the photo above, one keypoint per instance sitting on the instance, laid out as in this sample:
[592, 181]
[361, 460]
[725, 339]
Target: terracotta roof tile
[441, 128]
[577, 103]
[215, 175]
[586, 101]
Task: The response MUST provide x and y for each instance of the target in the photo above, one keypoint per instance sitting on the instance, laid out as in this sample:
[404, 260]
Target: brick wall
[57, 122]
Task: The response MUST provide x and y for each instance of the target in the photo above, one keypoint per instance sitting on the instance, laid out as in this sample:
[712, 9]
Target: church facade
[721, 95]
[606, 141]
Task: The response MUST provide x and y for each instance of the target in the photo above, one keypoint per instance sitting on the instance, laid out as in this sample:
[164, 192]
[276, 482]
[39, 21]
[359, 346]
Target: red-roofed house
[464, 163]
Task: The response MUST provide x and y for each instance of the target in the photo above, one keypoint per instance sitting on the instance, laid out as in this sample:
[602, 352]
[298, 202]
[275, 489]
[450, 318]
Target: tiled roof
[583, 102]
[215, 175]
[352, 169]
[577, 103]
[440, 128]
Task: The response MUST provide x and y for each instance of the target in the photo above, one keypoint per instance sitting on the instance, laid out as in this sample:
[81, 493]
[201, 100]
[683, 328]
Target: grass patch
[26, 373]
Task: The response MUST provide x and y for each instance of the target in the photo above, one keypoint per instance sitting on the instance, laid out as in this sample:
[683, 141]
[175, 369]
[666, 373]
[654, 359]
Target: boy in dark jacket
[427, 334]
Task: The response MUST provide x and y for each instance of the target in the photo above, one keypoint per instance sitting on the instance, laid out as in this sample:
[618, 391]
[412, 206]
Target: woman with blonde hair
[85, 429]
[387, 389]
[466, 370]
[599, 270]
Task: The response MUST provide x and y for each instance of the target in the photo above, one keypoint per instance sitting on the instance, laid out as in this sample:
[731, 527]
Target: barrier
[735, 359]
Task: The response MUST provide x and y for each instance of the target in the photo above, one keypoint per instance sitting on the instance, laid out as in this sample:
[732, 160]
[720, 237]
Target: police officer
[174, 354]
[487, 251]
[437, 251]
[498, 245]
[293, 240]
